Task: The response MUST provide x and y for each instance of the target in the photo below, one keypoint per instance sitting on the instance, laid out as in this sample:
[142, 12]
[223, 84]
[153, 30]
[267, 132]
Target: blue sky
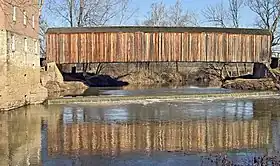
[196, 6]
[247, 17]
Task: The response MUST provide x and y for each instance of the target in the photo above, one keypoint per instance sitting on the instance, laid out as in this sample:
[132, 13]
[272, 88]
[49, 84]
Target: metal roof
[156, 29]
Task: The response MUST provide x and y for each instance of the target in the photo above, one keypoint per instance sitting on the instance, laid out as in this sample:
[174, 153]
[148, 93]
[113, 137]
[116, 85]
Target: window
[33, 21]
[13, 43]
[24, 18]
[25, 44]
[14, 13]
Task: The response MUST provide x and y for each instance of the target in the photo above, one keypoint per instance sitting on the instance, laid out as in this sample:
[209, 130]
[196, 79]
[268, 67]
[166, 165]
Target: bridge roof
[156, 29]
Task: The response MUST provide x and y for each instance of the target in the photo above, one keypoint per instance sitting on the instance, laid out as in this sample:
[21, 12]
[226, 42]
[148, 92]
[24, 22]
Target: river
[144, 134]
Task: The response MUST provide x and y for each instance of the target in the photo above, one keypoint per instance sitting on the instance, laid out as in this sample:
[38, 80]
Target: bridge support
[274, 63]
[260, 70]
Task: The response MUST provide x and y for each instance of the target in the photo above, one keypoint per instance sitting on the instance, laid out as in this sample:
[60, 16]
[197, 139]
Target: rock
[205, 77]
[250, 84]
[52, 74]
[56, 89]
[72, 88]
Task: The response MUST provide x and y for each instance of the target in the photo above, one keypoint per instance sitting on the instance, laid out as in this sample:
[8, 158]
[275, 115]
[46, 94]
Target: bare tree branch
[180, 17]
[174, 15]
[157, 16]
[216, 15]
[234, 11]
[222, 16]
[268, 16]
[91, 12]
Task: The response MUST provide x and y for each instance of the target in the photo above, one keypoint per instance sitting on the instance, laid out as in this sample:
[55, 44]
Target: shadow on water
[197, 133]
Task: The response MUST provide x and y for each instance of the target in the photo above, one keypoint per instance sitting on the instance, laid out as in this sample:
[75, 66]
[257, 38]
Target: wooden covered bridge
[157, 44]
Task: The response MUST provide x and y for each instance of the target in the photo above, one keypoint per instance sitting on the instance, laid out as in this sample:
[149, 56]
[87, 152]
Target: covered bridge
[157, 44]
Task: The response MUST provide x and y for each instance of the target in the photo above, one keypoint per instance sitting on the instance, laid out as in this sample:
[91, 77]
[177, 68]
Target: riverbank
[161, 98]
[157, 74]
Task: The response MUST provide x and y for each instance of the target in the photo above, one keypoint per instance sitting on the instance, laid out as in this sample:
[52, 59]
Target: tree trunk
[80, 21]
[71, 5]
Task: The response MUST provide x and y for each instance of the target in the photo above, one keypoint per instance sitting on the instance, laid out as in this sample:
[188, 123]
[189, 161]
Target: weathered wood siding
[137, 46]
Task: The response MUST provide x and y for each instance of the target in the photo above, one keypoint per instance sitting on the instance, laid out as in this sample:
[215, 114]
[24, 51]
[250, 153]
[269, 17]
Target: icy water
[147, 134]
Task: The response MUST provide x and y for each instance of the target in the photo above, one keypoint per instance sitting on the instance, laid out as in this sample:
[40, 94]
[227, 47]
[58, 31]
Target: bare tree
[216, 15]
[268, 16]
[90, 12]
[157, 16]
[174, 15]
[177, 16]
[43, 26]
[222, 16]
[234, 11]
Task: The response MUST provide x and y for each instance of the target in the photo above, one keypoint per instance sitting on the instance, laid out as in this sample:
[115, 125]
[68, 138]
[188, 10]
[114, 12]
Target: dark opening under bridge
[157, 44]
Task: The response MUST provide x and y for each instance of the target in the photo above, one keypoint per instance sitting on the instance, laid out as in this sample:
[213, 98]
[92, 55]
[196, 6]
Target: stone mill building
[19, 54]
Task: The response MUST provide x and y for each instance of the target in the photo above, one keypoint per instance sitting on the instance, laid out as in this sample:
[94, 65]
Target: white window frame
[25, 44]
[24, 18]
[13, 44]
[14, 13]
[33, 21]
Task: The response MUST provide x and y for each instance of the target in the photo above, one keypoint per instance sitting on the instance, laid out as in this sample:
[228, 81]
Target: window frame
[24, 18]
[14, 13]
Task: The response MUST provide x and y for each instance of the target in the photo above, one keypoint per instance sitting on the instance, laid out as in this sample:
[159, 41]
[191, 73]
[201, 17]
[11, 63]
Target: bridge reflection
[113, 130]
[196, 136]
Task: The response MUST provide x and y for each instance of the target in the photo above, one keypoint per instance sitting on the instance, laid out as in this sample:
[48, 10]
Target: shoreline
[112, 100]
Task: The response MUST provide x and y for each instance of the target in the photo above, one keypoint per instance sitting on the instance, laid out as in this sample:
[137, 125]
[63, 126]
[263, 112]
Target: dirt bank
[146, 77]
[251, 84]
[165, 73]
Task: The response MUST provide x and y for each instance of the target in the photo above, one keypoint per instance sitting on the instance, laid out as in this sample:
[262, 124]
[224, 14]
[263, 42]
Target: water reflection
[126, 91]
[20, 136]
[138, 134]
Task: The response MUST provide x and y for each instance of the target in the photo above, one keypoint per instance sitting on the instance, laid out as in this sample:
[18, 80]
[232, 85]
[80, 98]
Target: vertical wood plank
[242, 50]
[190, 59]
[119, 44]
[74, 58]
[185, 45]
[220, 45]
[202, 47]
[142, 48]
[160, 47]
[125, 47]
[130, 45]
[209, 43]
[93, 51]
[156, 46]
[198, 57]
[151, 47]
[147, 46]
[113, 42]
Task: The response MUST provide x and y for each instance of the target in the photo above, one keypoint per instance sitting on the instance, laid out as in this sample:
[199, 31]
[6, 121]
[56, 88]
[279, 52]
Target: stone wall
[20, 72]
